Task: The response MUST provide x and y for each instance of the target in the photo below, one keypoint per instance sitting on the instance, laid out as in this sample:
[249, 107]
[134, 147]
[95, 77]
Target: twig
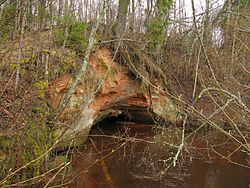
[238, 99]
[182, 141]
[33, 178]
[203, 46]
[63, 167]
[104, 168]
[93, 164]
[83, 68]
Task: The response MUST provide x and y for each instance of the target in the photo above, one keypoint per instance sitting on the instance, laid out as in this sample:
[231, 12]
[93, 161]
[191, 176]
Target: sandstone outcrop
[107, 90]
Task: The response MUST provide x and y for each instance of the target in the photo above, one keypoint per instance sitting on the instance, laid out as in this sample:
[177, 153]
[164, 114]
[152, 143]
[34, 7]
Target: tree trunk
[228, 30]
[132, 23]
[121, 17]
[84, 65]
[60, 9]
[86, 10]
[207, 31]
[80, 11]
[22, 26]
[108, 16]
[41, 13]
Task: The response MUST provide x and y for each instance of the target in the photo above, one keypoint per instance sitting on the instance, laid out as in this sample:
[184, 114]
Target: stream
[133, 155]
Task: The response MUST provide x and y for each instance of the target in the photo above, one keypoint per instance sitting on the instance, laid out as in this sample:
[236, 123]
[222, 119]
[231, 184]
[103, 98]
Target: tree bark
[83, 68]
[207, 31]
[132, 24]
[60, 9]
[80, 11]
[121, 17]
[22, 26]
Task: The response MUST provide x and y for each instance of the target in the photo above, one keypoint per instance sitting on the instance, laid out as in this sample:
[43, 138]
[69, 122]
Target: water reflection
[217, 176]
[147, 165]
[212, 177]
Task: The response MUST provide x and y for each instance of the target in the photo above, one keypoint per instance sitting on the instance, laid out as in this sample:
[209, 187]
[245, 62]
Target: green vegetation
[76, 39]
[156, 32]
[7, 21]
[41, 87]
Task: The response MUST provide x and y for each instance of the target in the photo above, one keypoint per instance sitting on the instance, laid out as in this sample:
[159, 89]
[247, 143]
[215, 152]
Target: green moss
[38, 110]
[113, 71]
[155, 32]
[4, 143]
[66, 62]
[103, 64]
[144, 87]
[41, 87]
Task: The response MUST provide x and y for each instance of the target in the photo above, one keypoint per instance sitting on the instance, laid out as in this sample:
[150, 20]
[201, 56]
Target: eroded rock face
[111, 91]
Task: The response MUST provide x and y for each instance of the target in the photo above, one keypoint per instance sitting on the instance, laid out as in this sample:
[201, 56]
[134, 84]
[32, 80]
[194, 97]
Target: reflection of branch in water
[144, 177]
[113, 151]
[135, 140]
[229, 160]
[104, 167]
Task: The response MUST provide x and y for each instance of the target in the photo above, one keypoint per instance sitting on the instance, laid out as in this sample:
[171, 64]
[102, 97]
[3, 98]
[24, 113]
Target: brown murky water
[145, 161]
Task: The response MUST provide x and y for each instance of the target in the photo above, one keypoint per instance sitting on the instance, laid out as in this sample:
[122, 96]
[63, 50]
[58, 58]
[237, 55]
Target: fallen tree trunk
[107, 90]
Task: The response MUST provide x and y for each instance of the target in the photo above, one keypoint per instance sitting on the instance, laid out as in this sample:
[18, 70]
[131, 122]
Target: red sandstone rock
[118, 93]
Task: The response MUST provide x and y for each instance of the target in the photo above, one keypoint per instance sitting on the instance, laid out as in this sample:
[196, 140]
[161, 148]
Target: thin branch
[182, 142]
